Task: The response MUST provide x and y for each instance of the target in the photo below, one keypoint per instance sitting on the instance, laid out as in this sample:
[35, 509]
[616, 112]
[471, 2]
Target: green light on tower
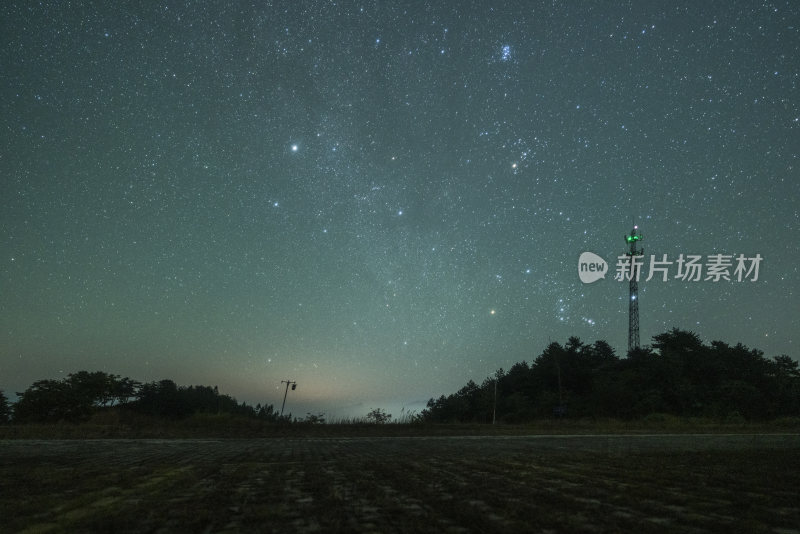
[633, 303]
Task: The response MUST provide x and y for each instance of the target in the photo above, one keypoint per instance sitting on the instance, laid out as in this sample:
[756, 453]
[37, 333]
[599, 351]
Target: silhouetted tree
[436, 410]
[378, 416]
[162, 399]
[73, 398]
[266, 413]
[786, 368]
[5, 409]
[76, 397]
[786, 375]
[51, 401]
[679, 375]
[314, 419]
[94, 388]
[123, 390]
[166, 399]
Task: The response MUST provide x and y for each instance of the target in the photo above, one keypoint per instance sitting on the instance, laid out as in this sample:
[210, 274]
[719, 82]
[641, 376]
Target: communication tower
[633, 252]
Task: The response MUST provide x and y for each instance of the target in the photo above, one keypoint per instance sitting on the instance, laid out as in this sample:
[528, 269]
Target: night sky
[383, 200]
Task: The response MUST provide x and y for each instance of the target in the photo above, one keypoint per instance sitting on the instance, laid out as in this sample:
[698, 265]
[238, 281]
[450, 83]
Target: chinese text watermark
[687, 268]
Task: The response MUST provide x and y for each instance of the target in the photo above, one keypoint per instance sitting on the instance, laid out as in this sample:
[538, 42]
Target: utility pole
[294, 386]
[494, 410]
[561, 410]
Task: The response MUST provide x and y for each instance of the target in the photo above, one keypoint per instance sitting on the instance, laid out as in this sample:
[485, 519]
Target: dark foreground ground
[643, 483]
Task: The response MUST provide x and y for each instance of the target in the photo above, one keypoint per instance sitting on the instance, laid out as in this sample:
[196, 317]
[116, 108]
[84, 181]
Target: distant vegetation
[81, 395]
[678, 377]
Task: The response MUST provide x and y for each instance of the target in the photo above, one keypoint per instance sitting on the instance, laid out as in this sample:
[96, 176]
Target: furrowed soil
[601, 483]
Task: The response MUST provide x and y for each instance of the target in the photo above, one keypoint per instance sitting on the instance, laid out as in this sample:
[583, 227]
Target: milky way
[383, 200]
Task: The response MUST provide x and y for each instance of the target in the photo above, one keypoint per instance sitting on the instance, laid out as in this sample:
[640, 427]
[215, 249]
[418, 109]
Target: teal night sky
[383, 200]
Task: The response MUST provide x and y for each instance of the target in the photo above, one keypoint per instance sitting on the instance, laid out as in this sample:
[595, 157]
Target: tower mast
[633, 302]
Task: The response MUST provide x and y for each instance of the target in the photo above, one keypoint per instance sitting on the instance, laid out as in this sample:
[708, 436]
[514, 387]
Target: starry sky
[384, 200]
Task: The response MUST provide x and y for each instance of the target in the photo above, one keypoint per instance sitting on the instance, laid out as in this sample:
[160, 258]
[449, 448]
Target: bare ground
[655, 483]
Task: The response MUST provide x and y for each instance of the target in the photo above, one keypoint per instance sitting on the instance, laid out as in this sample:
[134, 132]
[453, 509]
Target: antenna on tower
[633, 302]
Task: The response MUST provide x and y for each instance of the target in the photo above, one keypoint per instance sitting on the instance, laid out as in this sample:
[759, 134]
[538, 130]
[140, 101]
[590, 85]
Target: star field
[383, 200]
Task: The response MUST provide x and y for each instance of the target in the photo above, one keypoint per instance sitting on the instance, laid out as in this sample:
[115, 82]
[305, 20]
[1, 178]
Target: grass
[130, 426]
[339, 485]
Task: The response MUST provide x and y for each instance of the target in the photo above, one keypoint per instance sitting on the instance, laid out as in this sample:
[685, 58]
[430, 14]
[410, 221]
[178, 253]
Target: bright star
[294, 148]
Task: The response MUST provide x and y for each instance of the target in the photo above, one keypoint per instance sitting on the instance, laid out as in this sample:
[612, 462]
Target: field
[567, 483]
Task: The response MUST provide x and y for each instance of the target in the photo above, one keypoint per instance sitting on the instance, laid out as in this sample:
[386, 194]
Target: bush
[378, 416]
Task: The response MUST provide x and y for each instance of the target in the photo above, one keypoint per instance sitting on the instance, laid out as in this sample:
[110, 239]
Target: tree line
[679, 375]
[78, 396]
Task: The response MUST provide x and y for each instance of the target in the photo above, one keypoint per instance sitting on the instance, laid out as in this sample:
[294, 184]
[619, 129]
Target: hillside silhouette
[679, 375]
